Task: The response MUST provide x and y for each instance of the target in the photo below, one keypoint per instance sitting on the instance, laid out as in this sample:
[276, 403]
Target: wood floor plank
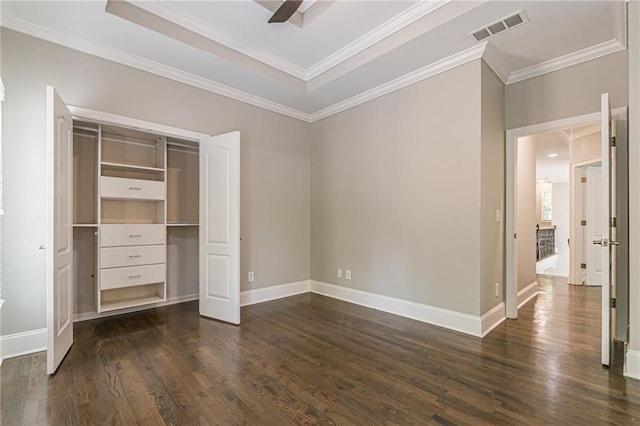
[309, 359]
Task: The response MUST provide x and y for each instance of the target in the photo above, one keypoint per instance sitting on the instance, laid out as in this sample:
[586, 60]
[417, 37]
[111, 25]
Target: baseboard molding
[170, 301]
[632, 364]
[527, 293]
[259, 295]
[28, 342]
[464, 323]
[493, 318]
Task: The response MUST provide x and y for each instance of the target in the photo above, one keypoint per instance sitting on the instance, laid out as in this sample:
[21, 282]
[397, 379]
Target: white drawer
[132, 235]
[115, 257]
[137, 189]
[131, 276]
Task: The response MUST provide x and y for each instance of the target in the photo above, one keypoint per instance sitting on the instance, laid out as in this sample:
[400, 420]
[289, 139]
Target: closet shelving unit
[131, 188]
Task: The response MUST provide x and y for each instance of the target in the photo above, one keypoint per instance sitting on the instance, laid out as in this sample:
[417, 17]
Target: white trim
[218, 36]
[431, 70]
[259, 295]
[134, 123]
[1, 91]
[24, 343]
[374, 36]
[138, 62]
[527, 293]
[493, 318]
[632, 364]
[620, 21]
[170, 301]
[547, 262]
[452, 320]
[493, 58]
[565, 61]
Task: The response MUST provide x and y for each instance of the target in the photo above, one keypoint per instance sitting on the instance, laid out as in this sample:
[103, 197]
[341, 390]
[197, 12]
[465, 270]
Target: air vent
[500, 25]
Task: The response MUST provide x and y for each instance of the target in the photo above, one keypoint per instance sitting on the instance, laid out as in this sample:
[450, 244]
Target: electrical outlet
[497, 289]
[339, 272]
[250, 277]
[347, 274]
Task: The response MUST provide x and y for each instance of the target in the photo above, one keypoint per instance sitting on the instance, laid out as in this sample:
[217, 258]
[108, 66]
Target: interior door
[220, 227]
[593, 211]
[605, 224]
[59, 230]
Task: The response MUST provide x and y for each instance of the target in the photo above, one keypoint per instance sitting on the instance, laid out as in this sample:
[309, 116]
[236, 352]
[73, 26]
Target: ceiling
[337, 54]
[556, 168]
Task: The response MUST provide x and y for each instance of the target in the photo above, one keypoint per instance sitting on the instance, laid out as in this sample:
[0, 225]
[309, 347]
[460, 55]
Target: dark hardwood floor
[311, 359]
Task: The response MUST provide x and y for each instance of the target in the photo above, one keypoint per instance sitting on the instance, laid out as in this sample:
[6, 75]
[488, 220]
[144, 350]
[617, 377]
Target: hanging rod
[88, 129]
[144, 144]
[181, 145]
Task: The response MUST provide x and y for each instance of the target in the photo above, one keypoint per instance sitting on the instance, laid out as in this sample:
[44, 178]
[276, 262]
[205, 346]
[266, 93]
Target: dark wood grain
[309, 359]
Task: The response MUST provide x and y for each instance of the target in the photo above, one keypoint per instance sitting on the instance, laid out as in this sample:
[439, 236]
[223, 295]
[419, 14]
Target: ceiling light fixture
[552, 155]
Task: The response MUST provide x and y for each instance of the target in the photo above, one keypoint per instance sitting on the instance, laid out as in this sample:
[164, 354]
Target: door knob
[614, 243]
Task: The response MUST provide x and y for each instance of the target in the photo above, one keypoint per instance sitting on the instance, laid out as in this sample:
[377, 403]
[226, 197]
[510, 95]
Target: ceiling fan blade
[285, 11]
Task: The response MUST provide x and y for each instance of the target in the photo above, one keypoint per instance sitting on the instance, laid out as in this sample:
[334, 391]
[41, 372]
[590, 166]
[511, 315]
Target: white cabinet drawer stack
[132, 235]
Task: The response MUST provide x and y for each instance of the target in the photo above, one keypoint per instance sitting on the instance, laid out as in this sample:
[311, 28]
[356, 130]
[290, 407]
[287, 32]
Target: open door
[220, 227]
[59, 230]
[605, 242]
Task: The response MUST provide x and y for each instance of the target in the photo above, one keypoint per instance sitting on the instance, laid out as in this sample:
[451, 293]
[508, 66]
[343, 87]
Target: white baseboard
[259, 295]
[24, 343]
[493, 318]
[546, 263]
[527, 293]
[632, 364]
[170, 301]
[464, 323]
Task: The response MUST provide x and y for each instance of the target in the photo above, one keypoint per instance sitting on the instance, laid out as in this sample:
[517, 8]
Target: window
[546, 205]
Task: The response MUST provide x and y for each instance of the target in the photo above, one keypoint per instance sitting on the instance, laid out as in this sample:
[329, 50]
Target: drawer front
[131, 276]
[115, 257]
[132, 235]
[137, 189]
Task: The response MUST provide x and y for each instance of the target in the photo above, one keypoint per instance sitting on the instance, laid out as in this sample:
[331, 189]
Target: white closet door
[220, 227]
[59, 230]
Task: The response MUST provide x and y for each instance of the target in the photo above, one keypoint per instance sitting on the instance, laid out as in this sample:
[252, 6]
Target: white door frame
[511, 252]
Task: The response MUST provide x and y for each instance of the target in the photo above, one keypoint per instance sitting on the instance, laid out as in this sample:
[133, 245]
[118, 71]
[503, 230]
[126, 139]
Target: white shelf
[121, 166]
[130, 303]
[183, 223]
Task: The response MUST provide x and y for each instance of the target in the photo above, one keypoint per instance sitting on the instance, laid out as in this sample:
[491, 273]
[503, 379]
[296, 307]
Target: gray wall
[568, 92]
[526, 211]
[493, 150]
[275, 165]
[396, 193]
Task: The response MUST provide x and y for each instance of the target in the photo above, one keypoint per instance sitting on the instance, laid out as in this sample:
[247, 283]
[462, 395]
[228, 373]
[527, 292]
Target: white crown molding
[565, 61]
[383, 31]
[493, 58]
[135, 61]
[171, 14]
[413, 77]
[620, 21]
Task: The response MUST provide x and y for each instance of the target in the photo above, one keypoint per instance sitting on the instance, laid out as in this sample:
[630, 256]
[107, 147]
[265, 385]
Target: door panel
[606, 228]
[593, 214]
[220, 227]
[60, 230]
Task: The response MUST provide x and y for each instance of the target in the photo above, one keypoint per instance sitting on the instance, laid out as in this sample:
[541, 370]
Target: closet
[139, 215]
[135, 218]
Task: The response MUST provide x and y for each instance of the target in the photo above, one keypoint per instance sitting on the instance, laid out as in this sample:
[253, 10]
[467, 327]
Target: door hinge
[613, 141]
[583, 179]
[613, 302]
[613, 222]
[515, 236]
[583, 222]
[583, 266]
